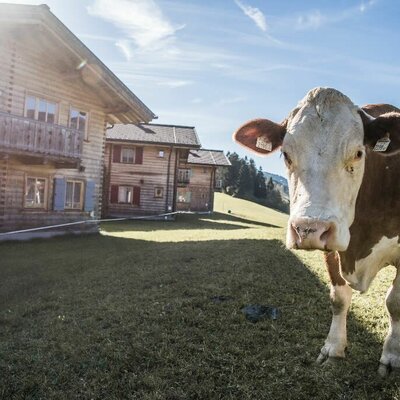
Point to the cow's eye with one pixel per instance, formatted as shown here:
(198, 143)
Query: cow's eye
(287, 158)
(359, 155)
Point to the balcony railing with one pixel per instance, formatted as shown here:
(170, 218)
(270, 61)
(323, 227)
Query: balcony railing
(27, 135)
(218, 184)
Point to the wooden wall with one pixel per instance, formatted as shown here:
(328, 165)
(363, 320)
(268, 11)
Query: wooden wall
(201, 187)
(152, 173)
(26, 69)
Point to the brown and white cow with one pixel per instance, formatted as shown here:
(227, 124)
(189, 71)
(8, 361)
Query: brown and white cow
(345, 198)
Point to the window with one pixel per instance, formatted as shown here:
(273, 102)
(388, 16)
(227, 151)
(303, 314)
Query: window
(73, 195)
(184, 175)
(161, 153)
(127, 155)
(184, 196)
(35, 192)
(158, 192)
(125, 194)
(78, 120)
(40, 109)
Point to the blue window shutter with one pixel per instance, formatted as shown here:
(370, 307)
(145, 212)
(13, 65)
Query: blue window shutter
(89, 196)
(59, 194)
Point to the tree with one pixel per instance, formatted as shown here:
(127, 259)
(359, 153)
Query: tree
(232, 174)
(244, 183)
(270, 185)
(260, 189)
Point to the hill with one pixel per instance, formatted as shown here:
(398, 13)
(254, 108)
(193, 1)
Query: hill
(280, 180)
(224, 203)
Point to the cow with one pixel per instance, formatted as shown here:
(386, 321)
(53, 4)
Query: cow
(343, 166)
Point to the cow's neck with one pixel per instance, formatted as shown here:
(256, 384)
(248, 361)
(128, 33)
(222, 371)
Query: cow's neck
(377, 211)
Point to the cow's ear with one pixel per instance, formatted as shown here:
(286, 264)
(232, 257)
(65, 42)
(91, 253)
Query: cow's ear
(261, 135)
(382, 134)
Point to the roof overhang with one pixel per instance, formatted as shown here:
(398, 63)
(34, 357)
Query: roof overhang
(144, 143)
(119, 103)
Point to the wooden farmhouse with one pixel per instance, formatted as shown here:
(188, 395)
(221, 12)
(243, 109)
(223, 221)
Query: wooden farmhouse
(56, 99)
(153, 169)
(198, 178)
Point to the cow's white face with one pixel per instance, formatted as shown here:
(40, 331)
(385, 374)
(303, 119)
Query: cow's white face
(323, 143)
(325, 157)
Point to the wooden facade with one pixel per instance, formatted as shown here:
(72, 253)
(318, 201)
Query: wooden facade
(204, 169)
(151, 179)
(56, 99)
(197, 193)
(166, 177)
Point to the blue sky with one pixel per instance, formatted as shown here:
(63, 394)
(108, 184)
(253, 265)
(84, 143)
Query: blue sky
(216, 64)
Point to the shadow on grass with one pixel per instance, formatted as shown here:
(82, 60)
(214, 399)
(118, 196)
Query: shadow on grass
(104, 317)
(216, 220)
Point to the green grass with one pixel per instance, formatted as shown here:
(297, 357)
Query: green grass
(128, 314)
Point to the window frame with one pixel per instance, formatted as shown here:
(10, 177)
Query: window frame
(184, 171)
(79, 110)
(45, 195)
(186, 192)
(39, 98)
(74, 181)
(131, 190)
(161, 195)
(133, 149)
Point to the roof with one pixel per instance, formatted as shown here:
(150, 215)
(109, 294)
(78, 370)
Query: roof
(208, 157)
(183, 136)
(125, 105)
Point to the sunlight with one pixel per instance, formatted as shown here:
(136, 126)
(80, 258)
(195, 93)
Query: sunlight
(198, 235)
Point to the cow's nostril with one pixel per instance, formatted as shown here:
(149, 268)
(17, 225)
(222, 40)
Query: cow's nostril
(325, 235)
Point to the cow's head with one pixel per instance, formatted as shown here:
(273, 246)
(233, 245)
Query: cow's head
(323, 142)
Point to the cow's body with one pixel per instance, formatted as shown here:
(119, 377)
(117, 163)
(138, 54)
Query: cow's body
(345, 199)
(374, 244)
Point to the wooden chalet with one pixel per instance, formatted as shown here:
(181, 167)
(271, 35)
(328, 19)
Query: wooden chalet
(56, 99)
(198, 178)
(153, 169)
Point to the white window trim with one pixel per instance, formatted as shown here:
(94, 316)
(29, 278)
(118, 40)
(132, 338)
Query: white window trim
(79, 109)
(39, 97)
(46, 192)
(134, 155)
(80, 208)
(125, 186)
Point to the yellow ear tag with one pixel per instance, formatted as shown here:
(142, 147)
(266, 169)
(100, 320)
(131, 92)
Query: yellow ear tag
(263, 143)
(382, 144)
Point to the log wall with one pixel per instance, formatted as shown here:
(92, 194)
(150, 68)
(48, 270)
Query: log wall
(25, 70)
(151, 174)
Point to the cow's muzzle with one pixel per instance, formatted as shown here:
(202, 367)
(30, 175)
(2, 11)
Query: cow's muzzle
(308, 233)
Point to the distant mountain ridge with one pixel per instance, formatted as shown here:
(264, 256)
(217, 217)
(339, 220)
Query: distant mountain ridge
(280, 180)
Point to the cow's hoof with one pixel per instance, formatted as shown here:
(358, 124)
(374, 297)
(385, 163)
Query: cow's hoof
(325, 360)
(385, 370)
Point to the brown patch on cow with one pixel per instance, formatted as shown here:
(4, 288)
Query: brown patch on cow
(375, 110)
(333, 265)
(377, 212)
(385, 122)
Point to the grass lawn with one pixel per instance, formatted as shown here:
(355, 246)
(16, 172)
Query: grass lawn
(132, 313)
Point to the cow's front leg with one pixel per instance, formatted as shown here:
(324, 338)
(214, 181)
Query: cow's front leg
(341, 292)
(390, 358)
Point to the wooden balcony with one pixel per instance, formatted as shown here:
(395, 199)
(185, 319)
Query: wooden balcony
(183, 181)
(24, 136)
